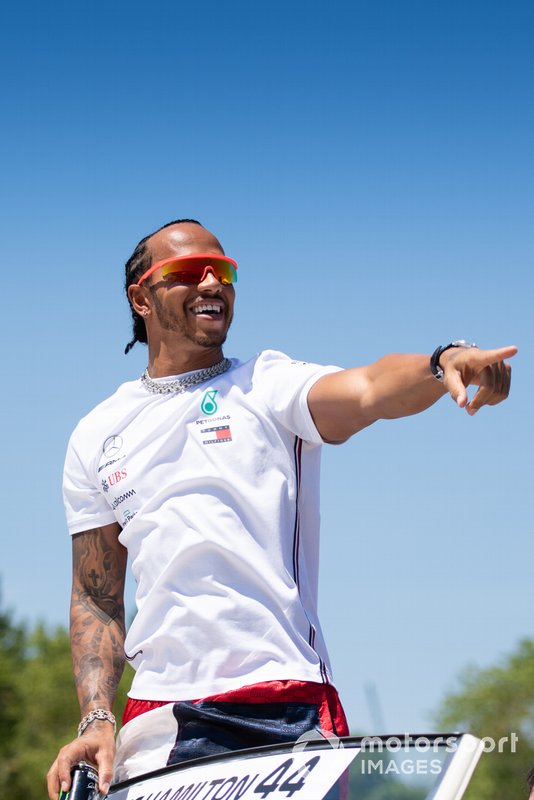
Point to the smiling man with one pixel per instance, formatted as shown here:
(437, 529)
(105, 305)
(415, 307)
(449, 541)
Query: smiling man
(192, 297)
(204, 473)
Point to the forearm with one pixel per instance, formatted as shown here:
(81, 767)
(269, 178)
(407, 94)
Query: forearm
(97, 642)
(97, 616)
(97, 645)
(396, 385)
(399, 385)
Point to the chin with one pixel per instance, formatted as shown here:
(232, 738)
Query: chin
(204, 340)
(214, 339)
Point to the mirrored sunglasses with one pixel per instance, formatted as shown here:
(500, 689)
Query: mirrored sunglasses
(192, 269)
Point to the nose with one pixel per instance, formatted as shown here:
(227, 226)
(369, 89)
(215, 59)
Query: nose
(209, 279)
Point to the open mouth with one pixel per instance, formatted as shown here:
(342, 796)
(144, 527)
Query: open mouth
(211, 309)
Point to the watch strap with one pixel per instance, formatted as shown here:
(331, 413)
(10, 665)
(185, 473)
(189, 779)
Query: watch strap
(435, 367)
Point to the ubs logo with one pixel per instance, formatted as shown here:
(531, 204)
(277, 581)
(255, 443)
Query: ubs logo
(112, 445)
(117, 476)
(113, 478)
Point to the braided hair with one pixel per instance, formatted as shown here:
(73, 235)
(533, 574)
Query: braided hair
(137, 264)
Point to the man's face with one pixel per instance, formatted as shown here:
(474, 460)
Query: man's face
(199, 314)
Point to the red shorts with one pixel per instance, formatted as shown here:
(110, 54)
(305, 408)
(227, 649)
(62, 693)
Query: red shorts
(331, 715)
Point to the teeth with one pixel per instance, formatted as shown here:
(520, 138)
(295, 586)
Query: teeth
(207, 307)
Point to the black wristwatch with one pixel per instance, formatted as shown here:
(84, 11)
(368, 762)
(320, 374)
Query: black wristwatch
(435, 368)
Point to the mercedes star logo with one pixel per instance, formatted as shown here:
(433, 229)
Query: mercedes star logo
(112, 445)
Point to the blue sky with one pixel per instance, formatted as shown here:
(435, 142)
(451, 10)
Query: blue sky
(370, 166)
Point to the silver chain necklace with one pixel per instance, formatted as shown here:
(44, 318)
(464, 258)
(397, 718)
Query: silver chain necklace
(181, 384)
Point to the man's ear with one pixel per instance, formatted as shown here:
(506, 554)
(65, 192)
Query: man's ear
(139, 300)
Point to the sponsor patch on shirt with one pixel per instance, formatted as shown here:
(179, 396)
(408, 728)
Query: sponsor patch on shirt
(216, 435)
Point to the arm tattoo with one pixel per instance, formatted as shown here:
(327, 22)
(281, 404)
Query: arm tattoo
(97, 615)
(99, 573)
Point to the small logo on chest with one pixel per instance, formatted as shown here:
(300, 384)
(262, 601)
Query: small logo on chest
(208, 405)
(216, 435)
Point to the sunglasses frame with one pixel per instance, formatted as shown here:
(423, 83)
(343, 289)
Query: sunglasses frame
(191, 256)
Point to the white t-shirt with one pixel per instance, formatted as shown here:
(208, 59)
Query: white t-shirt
(217, 493)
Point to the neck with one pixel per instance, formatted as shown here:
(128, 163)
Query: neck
(164, 363)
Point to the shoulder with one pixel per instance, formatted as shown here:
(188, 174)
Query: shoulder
(280, 379)
(254, 367)
(274, 364)
(264, 367)
(268, 360)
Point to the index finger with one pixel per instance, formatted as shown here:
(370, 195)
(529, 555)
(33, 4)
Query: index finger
(52, 781)
(64, 766)
(486, 357)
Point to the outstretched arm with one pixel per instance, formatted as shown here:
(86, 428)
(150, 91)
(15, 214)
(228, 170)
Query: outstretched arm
(398, 385)
(97, 643)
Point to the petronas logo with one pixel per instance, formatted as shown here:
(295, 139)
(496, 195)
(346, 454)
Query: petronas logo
(208, 405)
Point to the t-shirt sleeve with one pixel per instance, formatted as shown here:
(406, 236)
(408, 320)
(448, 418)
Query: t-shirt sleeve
(85, 505)
(284, 385)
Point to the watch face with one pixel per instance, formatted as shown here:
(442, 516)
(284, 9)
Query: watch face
(462, 343)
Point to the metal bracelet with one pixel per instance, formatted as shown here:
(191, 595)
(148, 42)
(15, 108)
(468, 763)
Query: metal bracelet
(97, 713)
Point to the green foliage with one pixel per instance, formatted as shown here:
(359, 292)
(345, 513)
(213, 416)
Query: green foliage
(39, 711)
(382, 787)
(497, 702)
(11, 660)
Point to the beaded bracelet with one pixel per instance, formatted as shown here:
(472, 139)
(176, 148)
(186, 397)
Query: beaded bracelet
(96, 713)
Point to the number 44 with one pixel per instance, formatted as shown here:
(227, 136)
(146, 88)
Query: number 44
(294, 783)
